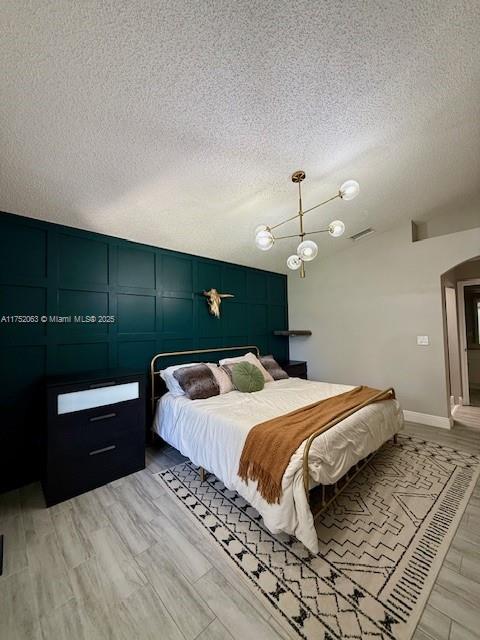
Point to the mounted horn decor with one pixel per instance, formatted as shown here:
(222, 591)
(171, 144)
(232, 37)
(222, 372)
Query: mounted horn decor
(215, 300)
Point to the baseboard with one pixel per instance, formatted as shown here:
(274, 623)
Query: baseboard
(426, 418)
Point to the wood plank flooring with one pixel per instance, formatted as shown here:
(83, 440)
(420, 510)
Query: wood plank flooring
(124, 562)
(468, 416)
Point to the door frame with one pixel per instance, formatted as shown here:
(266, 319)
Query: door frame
(461, 284)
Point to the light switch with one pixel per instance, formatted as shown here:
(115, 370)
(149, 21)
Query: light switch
(423, 341)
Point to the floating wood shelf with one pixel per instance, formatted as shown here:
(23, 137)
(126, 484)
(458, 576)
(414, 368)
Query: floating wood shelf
(292, 333)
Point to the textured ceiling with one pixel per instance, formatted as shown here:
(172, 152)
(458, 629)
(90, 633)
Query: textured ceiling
(178, 123)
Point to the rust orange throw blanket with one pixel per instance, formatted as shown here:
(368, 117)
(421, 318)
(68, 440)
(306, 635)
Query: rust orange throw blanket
(270, 445)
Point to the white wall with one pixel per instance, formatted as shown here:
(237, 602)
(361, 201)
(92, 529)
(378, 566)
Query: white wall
(467, 217)
(365, 307)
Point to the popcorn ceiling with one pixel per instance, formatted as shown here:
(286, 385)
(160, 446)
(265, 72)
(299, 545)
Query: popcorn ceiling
(178, 124)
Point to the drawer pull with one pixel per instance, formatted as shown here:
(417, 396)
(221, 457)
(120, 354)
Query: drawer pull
(104, 417)
(97, 451)
(99, 385)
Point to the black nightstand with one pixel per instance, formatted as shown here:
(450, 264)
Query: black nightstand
(95, 431)
(295, 368)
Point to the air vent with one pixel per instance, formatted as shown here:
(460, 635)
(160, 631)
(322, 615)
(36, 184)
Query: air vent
(362, 234)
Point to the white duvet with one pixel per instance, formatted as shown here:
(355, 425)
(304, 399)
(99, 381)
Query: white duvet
(212, 433)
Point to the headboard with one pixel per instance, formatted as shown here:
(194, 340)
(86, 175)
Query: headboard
(156, 382)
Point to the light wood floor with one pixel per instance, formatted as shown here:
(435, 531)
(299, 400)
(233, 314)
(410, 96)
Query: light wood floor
(125, 562)
(467, 416)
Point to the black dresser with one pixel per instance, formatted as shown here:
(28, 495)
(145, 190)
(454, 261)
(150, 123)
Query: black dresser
(295, 368)
(95, 431)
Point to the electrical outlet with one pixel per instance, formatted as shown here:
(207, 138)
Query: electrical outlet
(423, 341)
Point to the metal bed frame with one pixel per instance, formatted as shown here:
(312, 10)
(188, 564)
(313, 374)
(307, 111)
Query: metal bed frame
(323, 495)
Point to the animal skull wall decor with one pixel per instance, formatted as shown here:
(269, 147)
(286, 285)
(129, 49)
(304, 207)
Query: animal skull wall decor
(215, 300)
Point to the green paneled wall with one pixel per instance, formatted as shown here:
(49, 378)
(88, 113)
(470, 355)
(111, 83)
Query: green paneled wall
(154, 294)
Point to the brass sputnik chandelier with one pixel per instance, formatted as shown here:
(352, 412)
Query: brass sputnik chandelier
(307, 249)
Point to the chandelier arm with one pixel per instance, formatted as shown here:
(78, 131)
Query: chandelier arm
(279, 224)
(297, 235)
(322, 203)
(309, 233)
(294, 235)
(297, 215)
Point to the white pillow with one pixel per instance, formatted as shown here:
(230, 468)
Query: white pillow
(170, 380)
(223, 379)
(249, 357)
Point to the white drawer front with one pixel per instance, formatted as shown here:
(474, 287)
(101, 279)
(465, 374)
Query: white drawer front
(90, 398)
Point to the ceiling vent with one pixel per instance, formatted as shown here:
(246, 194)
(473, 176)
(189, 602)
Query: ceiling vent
(362, 234)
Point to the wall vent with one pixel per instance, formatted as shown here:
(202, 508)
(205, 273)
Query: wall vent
(362, 234)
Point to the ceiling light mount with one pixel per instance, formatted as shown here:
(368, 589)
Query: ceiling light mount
(307, 249)
(298, 176)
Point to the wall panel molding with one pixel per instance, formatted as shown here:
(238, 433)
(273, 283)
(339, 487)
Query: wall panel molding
(155, 295)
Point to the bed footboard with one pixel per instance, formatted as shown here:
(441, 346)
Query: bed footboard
(322, 496)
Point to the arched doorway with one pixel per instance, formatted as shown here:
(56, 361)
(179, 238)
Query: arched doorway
(461, 309)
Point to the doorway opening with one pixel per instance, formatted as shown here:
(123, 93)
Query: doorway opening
(461, 297)
(469, 294)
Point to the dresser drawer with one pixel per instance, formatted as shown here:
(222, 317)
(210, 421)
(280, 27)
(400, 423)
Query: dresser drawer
(85, 470)
(97, 395)
(91, 429)
(95, 431)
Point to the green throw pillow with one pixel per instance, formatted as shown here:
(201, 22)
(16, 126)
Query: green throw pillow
(247, 377)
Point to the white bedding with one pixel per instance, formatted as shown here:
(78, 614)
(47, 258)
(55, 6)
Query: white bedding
(212, 433)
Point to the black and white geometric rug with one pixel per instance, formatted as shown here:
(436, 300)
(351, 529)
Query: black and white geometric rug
(382, 542)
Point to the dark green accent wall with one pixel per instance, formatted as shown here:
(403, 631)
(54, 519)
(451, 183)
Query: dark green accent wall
(48, 269)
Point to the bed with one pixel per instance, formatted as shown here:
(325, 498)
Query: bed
(211, 433)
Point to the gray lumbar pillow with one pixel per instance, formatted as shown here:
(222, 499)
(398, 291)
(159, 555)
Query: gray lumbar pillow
(247, 378)
(273, 368)
(198, 382)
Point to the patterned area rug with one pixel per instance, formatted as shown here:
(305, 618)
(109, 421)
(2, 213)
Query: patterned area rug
(382, 542)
